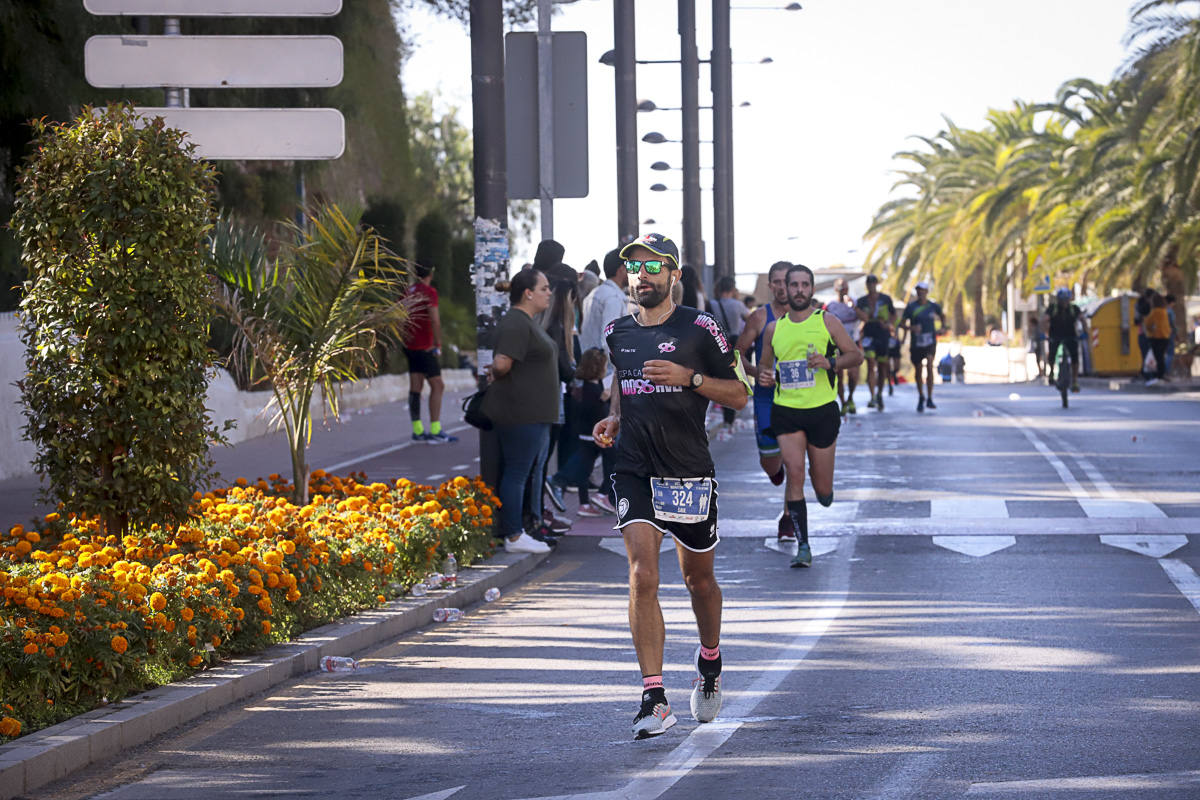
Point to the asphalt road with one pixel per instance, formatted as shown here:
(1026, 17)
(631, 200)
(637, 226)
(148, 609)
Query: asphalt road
(1004, 604)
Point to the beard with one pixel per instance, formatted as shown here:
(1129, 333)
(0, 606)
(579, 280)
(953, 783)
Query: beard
(653, 297)
(799, 303)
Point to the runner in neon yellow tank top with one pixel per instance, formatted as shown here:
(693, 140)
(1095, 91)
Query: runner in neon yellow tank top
(802, 352)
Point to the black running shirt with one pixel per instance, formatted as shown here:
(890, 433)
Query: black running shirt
(662, 432)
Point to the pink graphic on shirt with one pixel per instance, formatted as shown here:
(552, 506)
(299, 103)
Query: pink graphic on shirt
(666, 347)
(709, 324)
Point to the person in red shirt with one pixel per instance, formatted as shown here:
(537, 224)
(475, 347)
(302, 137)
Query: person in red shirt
(423, 347)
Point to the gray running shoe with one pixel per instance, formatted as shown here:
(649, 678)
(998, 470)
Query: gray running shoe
(653, 719)
(803, 556)
(706, 694)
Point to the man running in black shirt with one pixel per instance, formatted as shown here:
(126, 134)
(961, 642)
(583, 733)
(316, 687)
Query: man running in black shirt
(878, 316)
(669, 362)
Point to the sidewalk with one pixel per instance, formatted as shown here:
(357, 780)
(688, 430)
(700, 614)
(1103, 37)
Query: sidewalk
(1138, 386)
(376, 440)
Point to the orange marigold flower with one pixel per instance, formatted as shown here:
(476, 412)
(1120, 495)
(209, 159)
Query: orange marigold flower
(266, 627)
(120, 644)
(30, 649)
(9, 727)
(158, 601)
(187, 614)
(195, 661)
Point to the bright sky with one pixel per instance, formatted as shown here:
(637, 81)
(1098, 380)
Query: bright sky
(850, 82)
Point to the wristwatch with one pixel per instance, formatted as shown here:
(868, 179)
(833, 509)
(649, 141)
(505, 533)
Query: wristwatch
(697, 379)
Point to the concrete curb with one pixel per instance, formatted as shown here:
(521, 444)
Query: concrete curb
(55, 752)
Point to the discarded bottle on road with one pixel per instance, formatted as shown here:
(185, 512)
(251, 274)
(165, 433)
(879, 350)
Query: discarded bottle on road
(418, 590)
(450, 570)
(338, 664)
(492, 595)
(447, 614)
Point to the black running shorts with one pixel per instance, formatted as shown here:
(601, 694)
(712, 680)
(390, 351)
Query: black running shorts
(919, 354)
(634, 504)
(819, 425)
(424, 362)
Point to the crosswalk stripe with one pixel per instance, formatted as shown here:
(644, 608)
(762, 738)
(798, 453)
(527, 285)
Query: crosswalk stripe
(1121, 508)
(968, 507)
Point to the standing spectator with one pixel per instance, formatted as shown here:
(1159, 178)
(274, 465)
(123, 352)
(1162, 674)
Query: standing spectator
(608, 302)
(1158, 333)
(423, 347)
(560, 325)
(1174, 333)
(522, 404)
(731, 313)
(1037, 344)
(1141, 310)
(750, 302)
(592, 407)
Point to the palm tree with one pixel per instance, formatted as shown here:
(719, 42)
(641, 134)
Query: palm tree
(311, 316)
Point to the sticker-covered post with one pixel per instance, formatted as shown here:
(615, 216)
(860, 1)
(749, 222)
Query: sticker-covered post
(491, 201)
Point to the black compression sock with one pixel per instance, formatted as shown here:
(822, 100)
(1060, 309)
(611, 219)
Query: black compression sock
(414, 405)
(825, 499)
(798, 511)
(709, 668)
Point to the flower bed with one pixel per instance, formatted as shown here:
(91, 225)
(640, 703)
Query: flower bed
(88, 618)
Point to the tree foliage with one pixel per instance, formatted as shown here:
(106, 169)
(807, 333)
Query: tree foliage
(311, 316)
(112, 218)
(1099, 186)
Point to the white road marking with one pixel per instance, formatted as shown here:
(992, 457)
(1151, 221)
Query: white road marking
(977, 546)
(1184, 578)
(437, 476)
(616, 544)
(457, 467)
(442, 795)
(820, 545)
(377, 453)
(1121, 508)
(1153, 546)
(704, 740)
(1138, 782)
(1013, 526)
(968, 508)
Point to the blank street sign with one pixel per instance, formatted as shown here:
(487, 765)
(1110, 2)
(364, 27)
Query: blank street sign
(212, 62)
(271, 134)
(215, 8)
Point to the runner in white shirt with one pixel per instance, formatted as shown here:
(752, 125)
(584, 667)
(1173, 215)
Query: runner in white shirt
(843, 310)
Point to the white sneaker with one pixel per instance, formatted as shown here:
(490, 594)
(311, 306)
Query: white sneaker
(525, 544)
(706, 695)
(653, 719)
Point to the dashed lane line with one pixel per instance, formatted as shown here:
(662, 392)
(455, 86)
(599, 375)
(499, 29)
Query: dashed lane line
(385, 451)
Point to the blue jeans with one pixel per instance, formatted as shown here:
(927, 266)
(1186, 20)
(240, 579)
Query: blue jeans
(522, 450)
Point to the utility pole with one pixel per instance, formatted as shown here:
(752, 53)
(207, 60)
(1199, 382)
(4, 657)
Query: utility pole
(491, 200)
(722, 91)
(689, 70)
(626, 114)
(545, 65)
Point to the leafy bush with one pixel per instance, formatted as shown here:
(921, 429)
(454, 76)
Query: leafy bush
(88, 617)
(112, 214)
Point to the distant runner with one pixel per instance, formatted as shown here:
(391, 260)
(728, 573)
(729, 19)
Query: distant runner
(843, 309)
(878, 316)
(803, 351)
(752, 336)
(670, 361)
(921, 320)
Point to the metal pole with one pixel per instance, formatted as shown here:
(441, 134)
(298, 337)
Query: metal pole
(491, 201)
(689, 69)
(545, 62)
(722, 90)
(174, 96)
(626, 114)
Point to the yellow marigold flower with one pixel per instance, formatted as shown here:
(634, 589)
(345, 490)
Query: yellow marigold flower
(10, 727)
(286, 546)
(120, 644)
(158, 601)
(30, 649)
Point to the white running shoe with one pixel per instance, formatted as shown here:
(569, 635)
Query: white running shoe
(525, 544)
(706, 694)
(653, 718)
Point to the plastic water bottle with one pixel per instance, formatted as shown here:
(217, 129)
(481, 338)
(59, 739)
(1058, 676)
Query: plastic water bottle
(434, 580)
(418, 590)
(492, 595)
(338, 664)
(447, 614)
(450, 570)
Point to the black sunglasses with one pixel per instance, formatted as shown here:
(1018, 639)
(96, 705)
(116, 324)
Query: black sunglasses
(653, 267)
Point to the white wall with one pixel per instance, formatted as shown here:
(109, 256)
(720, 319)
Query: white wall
(225, 401)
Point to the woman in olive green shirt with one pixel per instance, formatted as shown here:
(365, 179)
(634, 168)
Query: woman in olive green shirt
(522, 403)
